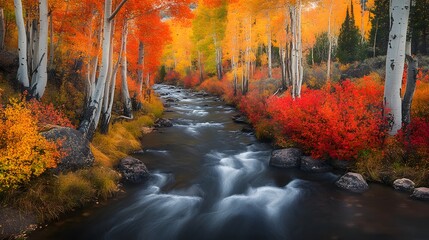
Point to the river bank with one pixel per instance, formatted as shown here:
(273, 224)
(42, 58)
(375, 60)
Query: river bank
(54, 196)
(211, 180)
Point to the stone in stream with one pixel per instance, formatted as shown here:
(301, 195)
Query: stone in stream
(201, 94)
(240, 119)
(421, 193)
(353, 182)
(342, 164)
(133, 170)
(286, 158)
(74, 145)
(404, 184)
(163, 123)
(308, 164)
(171, 99)
(247, 129)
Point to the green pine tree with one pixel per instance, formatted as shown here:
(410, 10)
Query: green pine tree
(419, 23)
(379, 34)
(320, 50)
(349, 47)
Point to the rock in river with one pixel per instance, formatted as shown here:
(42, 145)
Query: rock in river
(162, 123)
(286, 158)
(421, 193)
(76, 147)
(133, 170)
(240, 119)
(308, 164)
(404, 184)
(353, 182)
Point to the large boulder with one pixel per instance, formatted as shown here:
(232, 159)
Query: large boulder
(342, 164)
(286, 158)
(163, 123)
(404, 184)
(353, 182)
(421, 193)
(308, 164)
(78, 154)
(133, 170)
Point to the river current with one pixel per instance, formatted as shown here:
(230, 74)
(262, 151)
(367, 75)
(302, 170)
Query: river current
(210, 180)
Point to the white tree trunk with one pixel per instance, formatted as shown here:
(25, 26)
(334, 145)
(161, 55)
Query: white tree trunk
(33, 48)
(299, 44)
(51, 42)
(200, 66)
(269, 43)
(399, 10)
(22, 74)
(91, 118)
(2, 29)
(297, 69)
(125, 91)
(328, 71)
(140, 63)
(38, 84)
(294, 51)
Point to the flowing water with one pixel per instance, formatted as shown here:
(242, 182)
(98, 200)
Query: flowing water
(212, 181)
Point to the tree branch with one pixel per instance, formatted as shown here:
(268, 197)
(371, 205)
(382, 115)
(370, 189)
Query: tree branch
(117, 10)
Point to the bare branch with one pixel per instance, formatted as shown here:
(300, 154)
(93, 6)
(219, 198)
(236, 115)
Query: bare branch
(117, 10)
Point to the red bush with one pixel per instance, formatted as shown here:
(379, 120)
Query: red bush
(417, 140)
(47, 114)
(213, 86)
(338, 121)
(191, 80)
(172, 77)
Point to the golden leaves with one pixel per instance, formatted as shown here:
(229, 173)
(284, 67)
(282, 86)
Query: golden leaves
(24, 152)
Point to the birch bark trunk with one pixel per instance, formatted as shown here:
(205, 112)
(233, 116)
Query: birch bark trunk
(140, 63)
(399, 10)
(22, 74)
(127, 104)
(269, 43)
(294, 51)
(2, 29)
(38, 85)
(200, 66)
(328, 71)
(411, 85)
(90, 120)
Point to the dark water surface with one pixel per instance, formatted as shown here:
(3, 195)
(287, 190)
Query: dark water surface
(211, 181)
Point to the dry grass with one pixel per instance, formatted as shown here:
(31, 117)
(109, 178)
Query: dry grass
(123, 138)
(50, 196)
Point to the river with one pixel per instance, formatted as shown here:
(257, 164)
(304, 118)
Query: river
(212, 181)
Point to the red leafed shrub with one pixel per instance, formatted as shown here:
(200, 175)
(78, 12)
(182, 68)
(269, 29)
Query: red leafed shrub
(213, 86)
(47, 114)
(337, 121)
(172, 77)
(191, 80)
(417, 140)
(254, 106)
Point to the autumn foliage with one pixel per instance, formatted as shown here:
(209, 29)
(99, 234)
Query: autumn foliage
(47, 114)
(337, 121)
(24, 152)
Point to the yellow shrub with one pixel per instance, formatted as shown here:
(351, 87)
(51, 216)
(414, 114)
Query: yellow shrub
(24, 153)
(420, 106)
